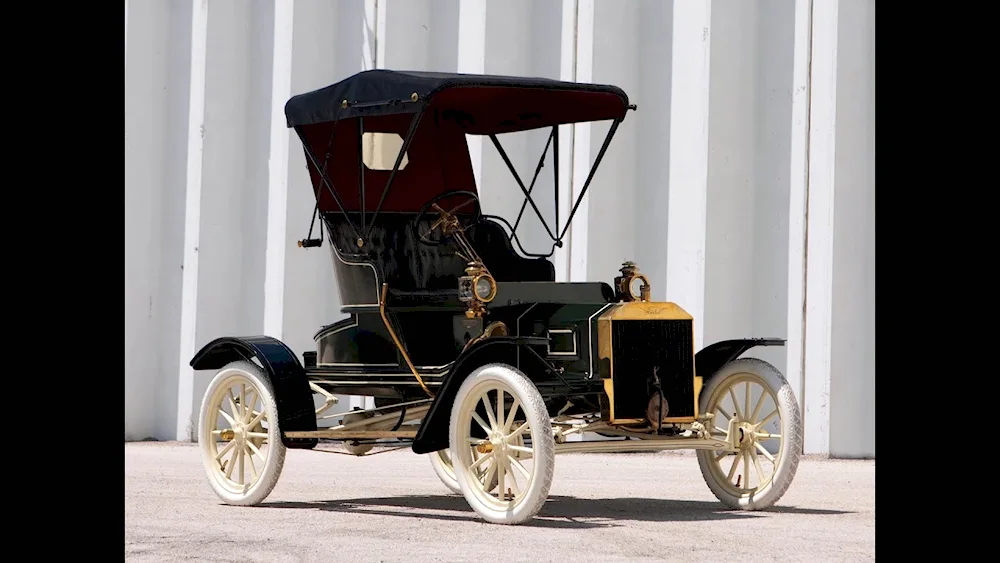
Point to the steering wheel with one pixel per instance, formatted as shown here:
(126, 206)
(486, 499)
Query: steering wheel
(447, 221)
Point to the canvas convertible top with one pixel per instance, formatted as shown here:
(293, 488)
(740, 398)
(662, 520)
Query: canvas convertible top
(481, 104)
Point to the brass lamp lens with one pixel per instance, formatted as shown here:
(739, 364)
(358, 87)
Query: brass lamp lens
(484, 288)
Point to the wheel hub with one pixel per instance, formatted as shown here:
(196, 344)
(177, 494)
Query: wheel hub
(747, 435)
(238, 433)
(498, 443)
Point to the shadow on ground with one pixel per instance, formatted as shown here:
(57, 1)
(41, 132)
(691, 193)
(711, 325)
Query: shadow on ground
(558, 511)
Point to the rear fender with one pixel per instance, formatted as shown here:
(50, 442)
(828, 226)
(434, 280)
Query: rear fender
(296, 411)
(712, 358)
(433, 433)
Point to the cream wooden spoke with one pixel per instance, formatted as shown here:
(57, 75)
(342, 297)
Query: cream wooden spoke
(243, 454)
(724, 413)
(488, 477)
(747, 404)
(504, 470)
(766, 436)
(519, 466)
(764, 451)
(256, 451)
(520, 430)
(732, 468)
(736, 402)
(501, 474)
(260, 417)
(722, 431)
(475, 465)
(250, 410)
(746, 470)
(510, 416)
(232, 405)
(760, 403)
(756, 464)
(489, 411)
(515, 488)
(767, 418)
(225, 450)
(243, 401)
(721, 455)
(257, 434)
(484, 461)
(500, 401)
(256, 417)
(476, 441)
(231, 464)
(521, 449)
(504, 476)
(229, 419)
(482, 423)
(253, 468)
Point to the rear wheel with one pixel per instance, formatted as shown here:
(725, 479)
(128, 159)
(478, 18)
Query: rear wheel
(441, 462)
(517, 453)
(769, 430)
(445, 470)
(239, 437)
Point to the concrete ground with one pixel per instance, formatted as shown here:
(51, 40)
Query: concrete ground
(391, 507)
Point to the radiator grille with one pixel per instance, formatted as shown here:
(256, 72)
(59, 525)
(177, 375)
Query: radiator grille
(638, 347)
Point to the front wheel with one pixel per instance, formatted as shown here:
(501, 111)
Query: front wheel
(501, 415)
(238, 435)
(769, 429)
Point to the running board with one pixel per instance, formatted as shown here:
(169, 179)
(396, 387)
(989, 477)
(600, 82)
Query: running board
(353, 434)
(649, 445)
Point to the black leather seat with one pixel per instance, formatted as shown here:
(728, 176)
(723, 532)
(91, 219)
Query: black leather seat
(409, 266)
(493, 244)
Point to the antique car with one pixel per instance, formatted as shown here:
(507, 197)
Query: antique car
(473, 353)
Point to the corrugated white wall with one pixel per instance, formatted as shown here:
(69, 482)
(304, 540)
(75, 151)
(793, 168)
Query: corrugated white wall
(751, 113)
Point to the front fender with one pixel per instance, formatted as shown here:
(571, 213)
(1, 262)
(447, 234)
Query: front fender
(433, 433)
(296, 411)
(710, 359)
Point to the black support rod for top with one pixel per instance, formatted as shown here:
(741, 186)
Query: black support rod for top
(555, 169)
(520, 183)
(361, 170)
(325, 179)
(399, 160)
(531, 187)
(593, 169)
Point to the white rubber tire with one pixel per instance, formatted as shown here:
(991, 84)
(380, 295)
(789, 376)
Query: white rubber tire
(791, 431)
(275, 455)
(543, 457)
(441, 462)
